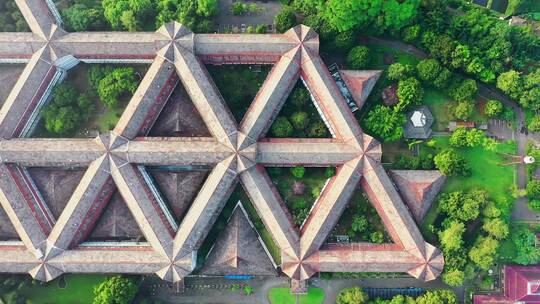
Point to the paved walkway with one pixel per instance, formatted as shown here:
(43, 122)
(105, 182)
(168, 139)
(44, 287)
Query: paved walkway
(521, 211)
(218, 290)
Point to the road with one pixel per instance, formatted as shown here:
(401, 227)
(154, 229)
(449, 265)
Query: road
(521, 211)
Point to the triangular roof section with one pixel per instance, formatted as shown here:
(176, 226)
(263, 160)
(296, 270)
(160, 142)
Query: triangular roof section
(239, 250)
(418, 189)
(360, 83)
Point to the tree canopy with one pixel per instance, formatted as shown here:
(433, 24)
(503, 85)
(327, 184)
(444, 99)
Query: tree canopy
(116, 290)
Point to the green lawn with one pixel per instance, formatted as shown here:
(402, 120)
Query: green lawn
(437, 102)
(283, 296)
(486, 173)
(78, 290)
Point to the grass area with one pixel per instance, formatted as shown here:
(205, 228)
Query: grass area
(283, 295)
(79, 290)
(378, 53)
(486, 173)
(238, 94)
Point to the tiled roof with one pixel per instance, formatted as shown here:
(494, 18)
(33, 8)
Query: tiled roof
(237, 153)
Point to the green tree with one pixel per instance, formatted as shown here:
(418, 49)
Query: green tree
(329, 172)
(463, 206)
(248, 290)
(113, 86)
(261, 29)
(493, 108)
(452, 237)
(453, 277)
(282, 127)
(450, 163)
(398, 71)
(510, 83)
(359, 225)
(352, 295)
(385, 123)
(298, 172)
(428, 69)
(207, 8)
(285, 19)
(116, 290)
(464, 91)
(458, 138)
(533, 189)
(358, 57)
(496, 228)
(483, 252)
(96, 72)
(300, 120)
(409, 92)
(438, 296)
(463, 110)
(411, 33)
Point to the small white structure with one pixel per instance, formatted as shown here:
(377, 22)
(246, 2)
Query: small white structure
(528, 160)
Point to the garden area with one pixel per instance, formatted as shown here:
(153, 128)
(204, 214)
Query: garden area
(90, 101)
(238, 94)
(360, 222)
(300, 187)
(282, 295)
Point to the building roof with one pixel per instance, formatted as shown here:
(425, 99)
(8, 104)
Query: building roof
(239, 250)
(418, 189)
(418, 123)
(50, 246)
(360, 83)
(521, 285)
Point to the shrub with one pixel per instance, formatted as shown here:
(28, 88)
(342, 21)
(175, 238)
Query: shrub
(493, 108)
(315, 192)
(285, 19)
(377, 237)
(300, 120)
(359, 57)
(250, 29)
(261, 29)
(298, 172)
(282, 127)
(238, 8)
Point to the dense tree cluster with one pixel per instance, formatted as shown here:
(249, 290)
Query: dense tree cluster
(462, 214)
(358, 57)
(385, 122)
(355, 295)
(285, 19)
(116, 84)
(11, 19)
(84, 15)
(67, 110)
(139, 15)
